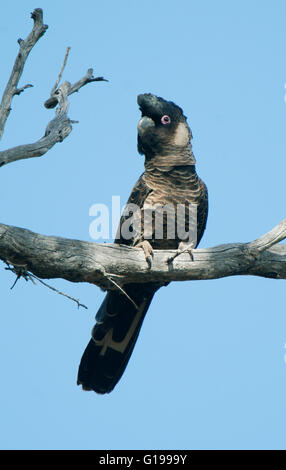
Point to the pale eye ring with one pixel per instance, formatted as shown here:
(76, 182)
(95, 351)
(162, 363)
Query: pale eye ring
(165, 119)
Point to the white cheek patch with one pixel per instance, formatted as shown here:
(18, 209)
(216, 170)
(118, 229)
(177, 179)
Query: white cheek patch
(182, 135)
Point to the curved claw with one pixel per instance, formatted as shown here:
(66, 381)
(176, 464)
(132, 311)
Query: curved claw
(184, 247)
(148, 251)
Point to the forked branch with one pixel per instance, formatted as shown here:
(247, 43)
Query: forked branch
(57, 129)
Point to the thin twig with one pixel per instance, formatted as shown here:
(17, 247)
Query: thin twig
(123, 291)
(61, 72)
(59, 292)
(21, 271)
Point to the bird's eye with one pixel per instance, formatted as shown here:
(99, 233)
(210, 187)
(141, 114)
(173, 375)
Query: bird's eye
(165, 119)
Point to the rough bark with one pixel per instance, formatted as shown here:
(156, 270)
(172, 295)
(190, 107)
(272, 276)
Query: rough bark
(25, 48)
(100, 264)
(57, 130)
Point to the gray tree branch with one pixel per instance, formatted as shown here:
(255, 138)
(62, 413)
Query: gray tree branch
(87, 78)
(57, 129)
(26, 46)
(100, 264)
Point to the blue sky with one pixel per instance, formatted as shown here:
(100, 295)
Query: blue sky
(208, 371)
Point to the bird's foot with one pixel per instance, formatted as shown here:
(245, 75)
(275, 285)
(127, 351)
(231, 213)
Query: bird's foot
(184, 247)
(148, 251)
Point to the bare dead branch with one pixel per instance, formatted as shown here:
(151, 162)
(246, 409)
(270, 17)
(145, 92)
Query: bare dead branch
(79, 261)
(57, 130)
(18, 91)
(276, 235)
(122, 291)
(58, 291)
(54, 89)
(21, 272)
(87, 78)
(26, 46)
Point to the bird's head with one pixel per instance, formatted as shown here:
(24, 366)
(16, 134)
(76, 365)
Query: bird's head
(162, 129)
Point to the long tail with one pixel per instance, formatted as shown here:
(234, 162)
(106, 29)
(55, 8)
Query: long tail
(119, 320)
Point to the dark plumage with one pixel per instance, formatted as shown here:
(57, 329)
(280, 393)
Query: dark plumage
(169, 178)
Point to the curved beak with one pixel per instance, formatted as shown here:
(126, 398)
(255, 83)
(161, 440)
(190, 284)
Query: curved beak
(144, 123)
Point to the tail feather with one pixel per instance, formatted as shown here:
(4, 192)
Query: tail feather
(119, 321)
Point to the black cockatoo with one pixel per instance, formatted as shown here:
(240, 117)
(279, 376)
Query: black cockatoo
(170, 177)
